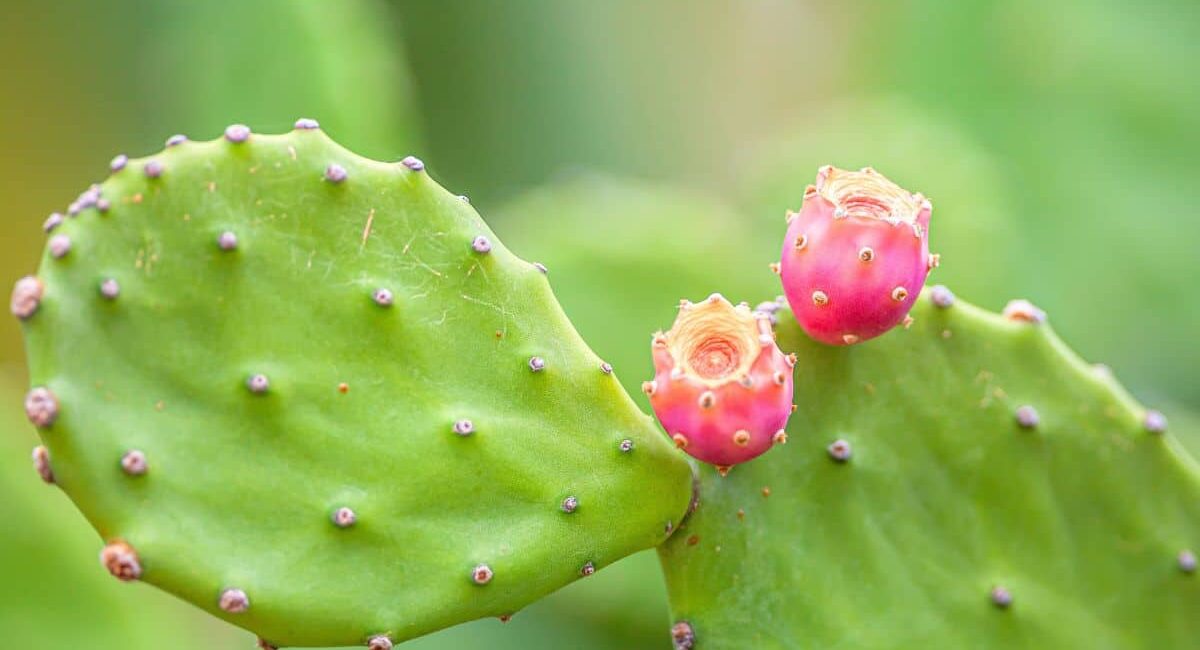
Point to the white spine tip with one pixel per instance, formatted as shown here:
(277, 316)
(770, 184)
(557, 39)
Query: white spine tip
(1155, 422)
(26, 297)
(1186, 561)
(463, 427)
(237, 133)
(482, 574)
(1027, 417)
(1000, 597)
(335, 173)
(258, 384)
(227, 241)
(234, 601)
(59, 246)
(941, 296)
(110, 289)
(133, 463)
(383, 297)
(840, 451)
(343, 517)
(41, 407)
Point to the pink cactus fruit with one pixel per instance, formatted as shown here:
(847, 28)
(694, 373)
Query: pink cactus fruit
(856, 256)
(722, 389)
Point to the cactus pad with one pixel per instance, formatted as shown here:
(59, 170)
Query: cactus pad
(966, 483)
(293, 387)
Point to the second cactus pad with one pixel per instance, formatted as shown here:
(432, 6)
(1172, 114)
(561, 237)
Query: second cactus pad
(313, 394)
(966, 483)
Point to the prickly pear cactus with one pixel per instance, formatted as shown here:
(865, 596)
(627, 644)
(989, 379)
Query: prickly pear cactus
(315, 396)
(969, 482)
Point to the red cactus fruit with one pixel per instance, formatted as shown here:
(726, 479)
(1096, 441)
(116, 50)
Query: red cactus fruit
(856, 256)
(722, 389)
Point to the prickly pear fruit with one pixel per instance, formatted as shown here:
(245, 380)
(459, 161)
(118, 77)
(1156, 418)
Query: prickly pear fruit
(722, 389)
(855, 256)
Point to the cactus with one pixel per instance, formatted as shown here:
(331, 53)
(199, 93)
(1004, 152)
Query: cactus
(721, 389)
(856, 255)
(287, 384)
(969, 482)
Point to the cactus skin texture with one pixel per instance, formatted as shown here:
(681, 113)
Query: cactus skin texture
(722, 389)
(265, 386)
(950, 525)
(856, 256)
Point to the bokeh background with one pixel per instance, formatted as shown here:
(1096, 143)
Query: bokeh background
(1059, 142)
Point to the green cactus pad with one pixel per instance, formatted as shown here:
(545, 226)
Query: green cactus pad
(284, 329)
(950, 525)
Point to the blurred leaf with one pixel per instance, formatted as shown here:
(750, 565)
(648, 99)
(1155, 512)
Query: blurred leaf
(209, 63)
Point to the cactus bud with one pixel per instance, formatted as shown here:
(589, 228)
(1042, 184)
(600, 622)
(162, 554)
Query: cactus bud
(722, 387)
(855, 256)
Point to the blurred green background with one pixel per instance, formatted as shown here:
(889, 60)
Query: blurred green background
(1058, 141)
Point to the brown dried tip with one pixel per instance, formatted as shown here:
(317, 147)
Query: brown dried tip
(379, 642)
(121, 561)
(1023, 311)
(41, 463)
(41, 407)
(263, 644)
(682, 636)
(741, 438)
(680, 440)
(723, 470)
(780, 437)
(26, 297)
(234, 601)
